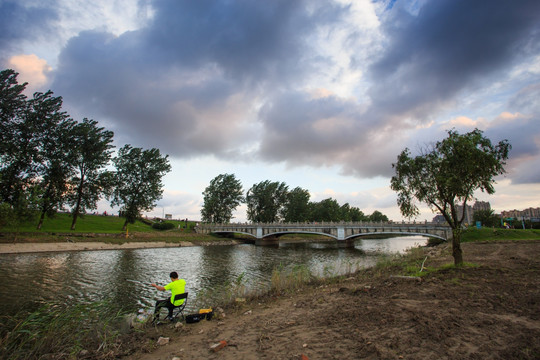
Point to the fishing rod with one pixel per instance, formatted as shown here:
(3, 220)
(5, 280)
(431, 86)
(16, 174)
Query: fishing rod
(139, 282)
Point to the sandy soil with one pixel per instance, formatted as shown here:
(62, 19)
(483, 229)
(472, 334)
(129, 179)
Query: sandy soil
(16, 248)
(36, 247)
(487, 312)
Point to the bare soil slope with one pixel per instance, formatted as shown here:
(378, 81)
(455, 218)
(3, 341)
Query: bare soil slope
(487, 312)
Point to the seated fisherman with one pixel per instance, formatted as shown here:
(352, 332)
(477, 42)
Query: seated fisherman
(176, 286)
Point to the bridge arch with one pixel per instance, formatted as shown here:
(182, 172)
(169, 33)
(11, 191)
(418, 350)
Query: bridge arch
(279, 233)
(354, 236)
(342, 232)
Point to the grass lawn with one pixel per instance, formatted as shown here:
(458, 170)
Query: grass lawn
(91, 226)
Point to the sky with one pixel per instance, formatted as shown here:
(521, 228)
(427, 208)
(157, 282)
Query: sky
(320, 94)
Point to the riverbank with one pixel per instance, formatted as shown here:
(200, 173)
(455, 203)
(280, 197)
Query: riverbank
(20, 248)
(486, 310)
(78, 242)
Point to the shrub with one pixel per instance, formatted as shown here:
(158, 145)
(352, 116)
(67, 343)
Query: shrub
(163, 226)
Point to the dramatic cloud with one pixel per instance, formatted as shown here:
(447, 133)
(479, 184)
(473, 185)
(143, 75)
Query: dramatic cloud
(191, 80)
(337, 84)
(19, 23)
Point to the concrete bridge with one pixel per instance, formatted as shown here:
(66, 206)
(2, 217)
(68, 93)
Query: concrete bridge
(344, 233)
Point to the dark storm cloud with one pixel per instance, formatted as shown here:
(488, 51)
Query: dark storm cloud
(449, 45)
(246, 38)
(18, 23)
(217, 77)
(187, 80)
(429, 56)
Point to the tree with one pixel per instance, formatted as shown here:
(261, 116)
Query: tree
(92, 147)
(12, 106)
(137, 180)
(357, 215)
(52, 134)
(265, 201)
(296, 207)
(447, 176)
(378, 216)
(487, 218)
(221, 198)
(352, 213)
(17, 143)
(325, 210)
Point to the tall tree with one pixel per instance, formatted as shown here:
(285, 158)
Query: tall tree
(221, 198)
(92, 147)
(447, 176)
(296, 208)
(265, 201)
(12, 106)
(356, 214)
(17, 143)
(138, 180)
(378, 216)
(53, 129)
(325, 210)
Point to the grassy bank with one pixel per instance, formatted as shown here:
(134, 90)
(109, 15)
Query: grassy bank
(100, 228)
(61, 223)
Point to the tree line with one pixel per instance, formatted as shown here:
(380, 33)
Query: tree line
(273, 201)
(49, 161)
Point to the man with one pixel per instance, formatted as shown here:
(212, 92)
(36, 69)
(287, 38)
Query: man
(176, 286)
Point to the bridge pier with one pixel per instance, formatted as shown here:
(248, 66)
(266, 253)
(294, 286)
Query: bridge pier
(345, 244)
(267, 241)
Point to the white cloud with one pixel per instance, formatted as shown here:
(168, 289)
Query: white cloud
(31, 69)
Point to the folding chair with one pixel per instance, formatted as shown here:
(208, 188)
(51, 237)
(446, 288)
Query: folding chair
(177, 310)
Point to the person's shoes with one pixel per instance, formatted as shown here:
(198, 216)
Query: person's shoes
(169, 318)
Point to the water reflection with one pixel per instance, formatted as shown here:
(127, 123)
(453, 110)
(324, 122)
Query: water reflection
(72, 277)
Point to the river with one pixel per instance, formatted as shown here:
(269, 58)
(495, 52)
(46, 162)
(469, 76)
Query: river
(122, 276)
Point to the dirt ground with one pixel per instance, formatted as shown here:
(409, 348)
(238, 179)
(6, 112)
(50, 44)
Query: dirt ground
(491, 311)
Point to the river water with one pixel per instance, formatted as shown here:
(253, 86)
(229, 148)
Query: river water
(122, 276)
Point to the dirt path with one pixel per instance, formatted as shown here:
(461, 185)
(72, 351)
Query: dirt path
(487, 312)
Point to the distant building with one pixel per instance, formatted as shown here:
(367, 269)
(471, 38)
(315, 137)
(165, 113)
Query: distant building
(469, 212)
(481, 205)
(527, 214)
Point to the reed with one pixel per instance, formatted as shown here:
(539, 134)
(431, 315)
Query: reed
(290, 278)
(56, 331)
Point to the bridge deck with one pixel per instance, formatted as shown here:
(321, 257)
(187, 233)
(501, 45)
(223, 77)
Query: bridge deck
(339, 231)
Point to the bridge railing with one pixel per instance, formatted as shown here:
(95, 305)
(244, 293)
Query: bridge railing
(325, 223)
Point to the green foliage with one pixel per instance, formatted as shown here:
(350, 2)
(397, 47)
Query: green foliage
(377, 216)
(448, 175)
(92, 147)
(138, 180)
(163, 226)
(47, 159)
(286, 279)
(296, 208)
(487, 218)
(352, 213)
(54, 161)
(325, 210)
(221, 198)
(265, 201)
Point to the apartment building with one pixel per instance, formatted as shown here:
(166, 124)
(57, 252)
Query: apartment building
(469, 211)
(527, 214)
